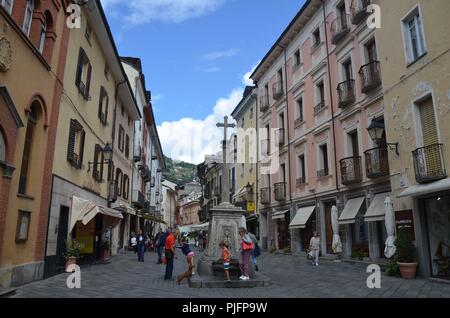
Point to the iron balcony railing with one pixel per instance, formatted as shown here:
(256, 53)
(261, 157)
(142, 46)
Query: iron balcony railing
(264, 103)
(138, 199)
(280, 191)
(429, 163)
(346, 93)
(339, 29)
(377, 162)
(278, 90)
(318, 108)
(351, 170)
(370, 76)
(358, 10)
(265, 196)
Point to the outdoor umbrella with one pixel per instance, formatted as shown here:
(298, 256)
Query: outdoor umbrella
(389, 250)
(337, 245)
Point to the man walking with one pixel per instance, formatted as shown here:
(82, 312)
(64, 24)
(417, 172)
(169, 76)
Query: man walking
(141, 246)
(169, 253)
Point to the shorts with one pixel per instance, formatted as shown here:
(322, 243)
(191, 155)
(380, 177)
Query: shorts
(226, 266)
(191, 254)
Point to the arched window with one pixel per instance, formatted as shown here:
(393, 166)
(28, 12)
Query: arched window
(2, 147)
(42, 37)
(31, 126)
(28, 17)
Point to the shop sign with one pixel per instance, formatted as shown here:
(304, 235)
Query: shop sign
(405, 220)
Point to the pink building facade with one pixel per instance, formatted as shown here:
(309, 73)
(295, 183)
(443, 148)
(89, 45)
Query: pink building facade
(320, 88)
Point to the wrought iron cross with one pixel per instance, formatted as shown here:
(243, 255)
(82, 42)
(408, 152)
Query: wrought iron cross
(225, 180)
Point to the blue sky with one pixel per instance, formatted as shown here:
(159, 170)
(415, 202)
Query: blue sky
(195, 54)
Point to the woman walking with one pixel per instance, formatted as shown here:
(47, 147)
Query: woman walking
(245, 253)
(314, 247)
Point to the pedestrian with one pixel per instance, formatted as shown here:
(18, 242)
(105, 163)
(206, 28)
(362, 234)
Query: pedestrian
(256, 250)
(140, 246)
(169, 253)
(225, 258)
(133, 242)
(245, 253)
(160, 244)
(189, 259)
(314, 248)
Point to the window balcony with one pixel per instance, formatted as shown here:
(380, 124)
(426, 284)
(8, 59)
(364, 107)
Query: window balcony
(339, 29)
(138, 199)
(346, 93)
(265, 196)
(319, 107)
(278, 90)
(377, 162)
(370, 76)
(351, 170)
(358, 10)
(429, 163)
(280, 191)
(264, 103)
(300, 181)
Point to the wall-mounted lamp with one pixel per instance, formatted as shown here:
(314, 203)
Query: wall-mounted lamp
(377, 131)
(107, 156)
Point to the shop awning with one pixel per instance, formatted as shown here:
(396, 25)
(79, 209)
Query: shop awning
(85, 211)
(301, 217)
(422, 189)
(279, 215)
(351, 209)
(376, 208)
(152, 218)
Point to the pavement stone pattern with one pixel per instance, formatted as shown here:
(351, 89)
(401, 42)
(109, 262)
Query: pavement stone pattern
(291, 277)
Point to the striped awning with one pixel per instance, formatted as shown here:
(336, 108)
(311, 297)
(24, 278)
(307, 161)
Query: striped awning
(351, 209)
(301, 217)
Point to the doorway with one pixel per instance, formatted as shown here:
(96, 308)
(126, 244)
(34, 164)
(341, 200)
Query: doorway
(56, 264)
(329, 227)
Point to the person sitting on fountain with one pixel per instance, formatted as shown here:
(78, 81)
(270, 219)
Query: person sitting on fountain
(225, 257)
(189, 258)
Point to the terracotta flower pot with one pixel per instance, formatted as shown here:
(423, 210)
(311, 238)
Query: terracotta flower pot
(408, 270)
(106, 255)
(70, 264)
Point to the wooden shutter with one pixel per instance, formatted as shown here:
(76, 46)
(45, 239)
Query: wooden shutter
(100, 103)
(71, 142)
(81, 150)
(95, 172)
(127, 147)
(428, 122)
(81, 56)
(88, 82)
(106, 108)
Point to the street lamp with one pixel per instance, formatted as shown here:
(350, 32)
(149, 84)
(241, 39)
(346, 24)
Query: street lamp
(107, 156)
(376, 131)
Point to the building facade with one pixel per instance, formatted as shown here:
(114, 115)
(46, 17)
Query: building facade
(34, 44)
(319, 89)
(96, 120)
(415, 55)
(169, 203)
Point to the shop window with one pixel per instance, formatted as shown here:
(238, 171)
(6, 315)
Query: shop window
(26, 155)
(75, 147)
(23, 226)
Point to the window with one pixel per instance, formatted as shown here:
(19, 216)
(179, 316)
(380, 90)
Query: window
(242, 122)
(429, 129)
(98, 163)
(266, 91)
(31, 126)
(83, 78)
(88, 33)
(121, 139)
(320, 95)
(28, 17)
(301, 172)
(23, 226)
(75, 147)
(342, 15)
(127, 147)
(316, 38)
(103, 106)
(323, 161)
(42, 37)
(297, 58)
(7, 4)
(414, 36)
(354, 144)
(300, 109)
(347, 70)
(282, 175)
(371, 51)
(119, 177)
(126, 186)
(280, 78)
(251, 113)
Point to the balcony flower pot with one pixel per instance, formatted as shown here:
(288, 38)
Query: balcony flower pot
(72, 253)
(406, 255)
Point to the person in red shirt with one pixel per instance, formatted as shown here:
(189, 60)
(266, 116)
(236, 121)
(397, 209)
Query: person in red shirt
(225, 257)
(169, 254)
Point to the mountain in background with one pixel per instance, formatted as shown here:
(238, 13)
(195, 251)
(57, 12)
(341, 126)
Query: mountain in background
(180, 172)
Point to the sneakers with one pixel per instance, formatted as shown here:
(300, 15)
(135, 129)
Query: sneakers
(193, 273)
(245, 278)
(241, 277)
(317, 264)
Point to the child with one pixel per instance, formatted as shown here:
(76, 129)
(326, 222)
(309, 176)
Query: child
(225, 257)
(189, 258)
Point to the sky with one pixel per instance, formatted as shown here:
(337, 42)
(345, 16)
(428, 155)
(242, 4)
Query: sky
(197, 57)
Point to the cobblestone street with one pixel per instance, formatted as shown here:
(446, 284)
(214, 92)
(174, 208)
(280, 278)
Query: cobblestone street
(291, 276)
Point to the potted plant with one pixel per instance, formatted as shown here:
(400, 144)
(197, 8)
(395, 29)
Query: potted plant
(73, 248)
(406, 255)
(106, 250)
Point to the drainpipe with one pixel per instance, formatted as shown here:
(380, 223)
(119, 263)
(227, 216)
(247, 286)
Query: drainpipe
(331, 97)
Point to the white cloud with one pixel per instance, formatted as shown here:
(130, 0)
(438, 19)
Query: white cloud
(172, 11)
(157, 97)
(213, 69)
(212, 56)
(191, 139)
(246, 78)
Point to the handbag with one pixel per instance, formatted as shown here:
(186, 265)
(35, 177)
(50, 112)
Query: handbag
(309, 256)
(247, 246)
